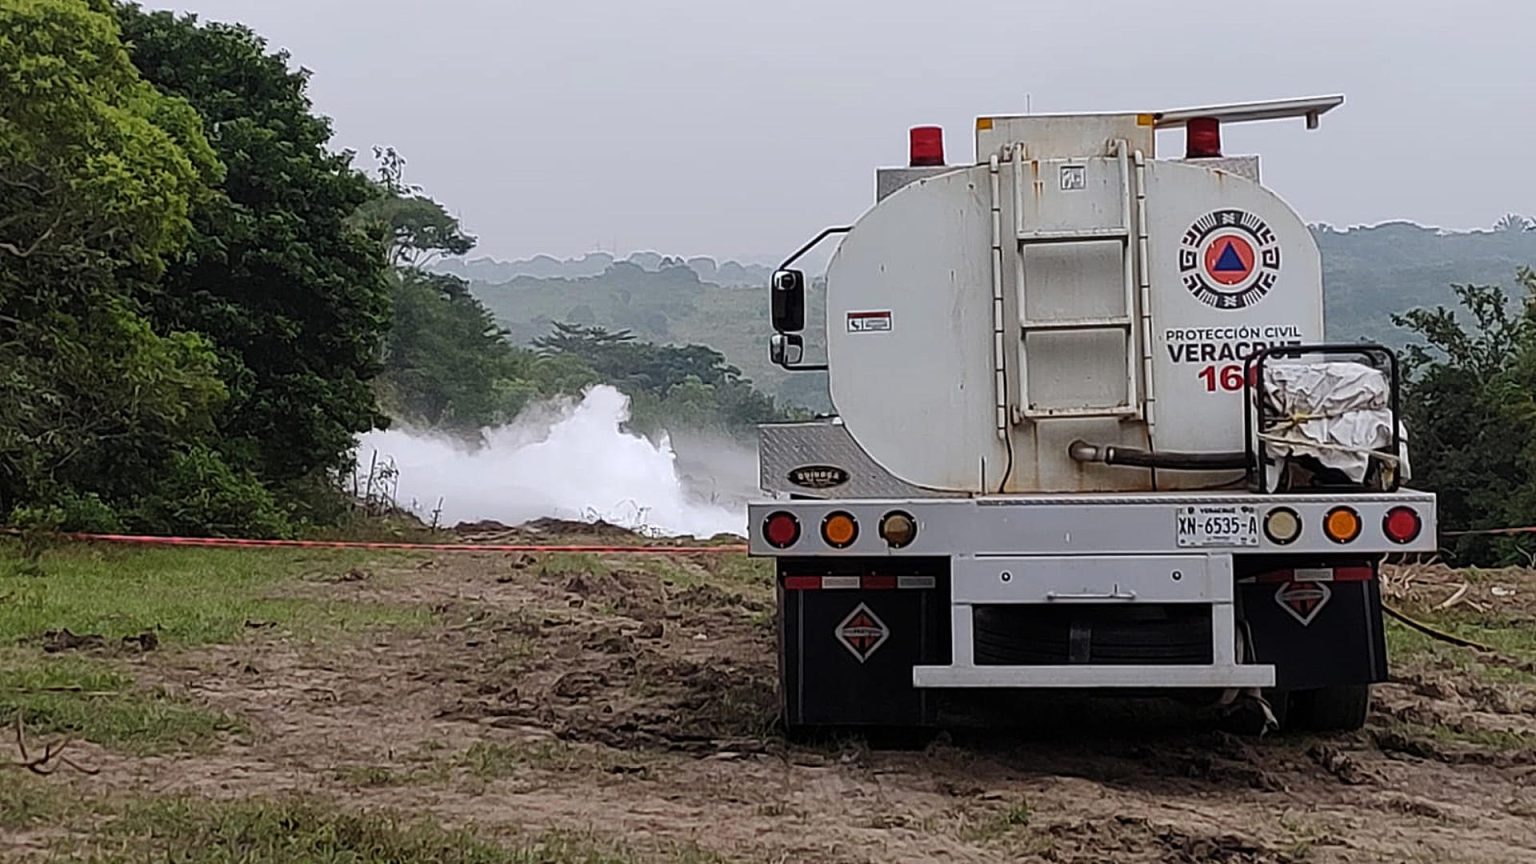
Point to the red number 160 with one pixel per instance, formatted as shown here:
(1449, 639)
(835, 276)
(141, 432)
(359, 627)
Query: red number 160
(1229, 378)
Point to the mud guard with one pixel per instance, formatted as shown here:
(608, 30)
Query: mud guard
(1316, 634)
(850, 632)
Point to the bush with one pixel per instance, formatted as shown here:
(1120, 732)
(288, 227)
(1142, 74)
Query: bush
(68, 511)
(1468, 403)
(200, 494)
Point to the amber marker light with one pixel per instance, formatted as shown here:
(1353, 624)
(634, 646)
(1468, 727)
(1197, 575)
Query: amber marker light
(839, 530)
(1342, 524)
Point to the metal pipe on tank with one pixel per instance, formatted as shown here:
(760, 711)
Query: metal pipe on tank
(1082, 451)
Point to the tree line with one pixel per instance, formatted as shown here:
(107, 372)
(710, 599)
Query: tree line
(202, 304)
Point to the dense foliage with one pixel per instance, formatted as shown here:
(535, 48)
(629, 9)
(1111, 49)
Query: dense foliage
(664, 301)
(191, 322)
(99, 176)
(446, 363)
(688, 386)
(1470, 403)
(204, 304)
(292, 295)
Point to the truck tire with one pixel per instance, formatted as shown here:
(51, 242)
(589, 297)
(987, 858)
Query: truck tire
(1340, 708)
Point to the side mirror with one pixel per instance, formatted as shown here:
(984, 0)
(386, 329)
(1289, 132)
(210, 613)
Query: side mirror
(788, 289)
(785, 349)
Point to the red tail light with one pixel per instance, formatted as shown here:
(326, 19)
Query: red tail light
(1402, 525)
(781, 530)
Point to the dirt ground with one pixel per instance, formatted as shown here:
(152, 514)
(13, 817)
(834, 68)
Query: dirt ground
(634, 699)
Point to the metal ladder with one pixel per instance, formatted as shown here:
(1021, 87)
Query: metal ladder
(1127, 323)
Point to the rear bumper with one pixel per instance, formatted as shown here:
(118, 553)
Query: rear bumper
(1087, 524)
(1095, 677)
(1080, 588)
(880, 640)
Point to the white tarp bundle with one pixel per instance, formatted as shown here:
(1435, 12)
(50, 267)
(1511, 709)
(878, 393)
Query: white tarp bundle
(1337, 413)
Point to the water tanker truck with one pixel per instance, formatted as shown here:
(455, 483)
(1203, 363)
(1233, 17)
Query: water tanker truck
(1087, 435)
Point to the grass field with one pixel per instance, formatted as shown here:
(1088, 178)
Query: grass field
(332, 706)
(110, 597)
(181, 598)
(190, 830)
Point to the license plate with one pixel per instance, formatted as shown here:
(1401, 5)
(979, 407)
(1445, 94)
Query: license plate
(1203, 525)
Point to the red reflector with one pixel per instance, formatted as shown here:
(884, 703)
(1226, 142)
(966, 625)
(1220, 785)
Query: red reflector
(781, 529)
(880, 582)
(926, 146)
(1402, 525)
(1352, 574)
(1202, 138)
(802, 583)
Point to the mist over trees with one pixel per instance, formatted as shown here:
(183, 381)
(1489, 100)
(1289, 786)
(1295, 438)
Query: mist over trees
(725, 273)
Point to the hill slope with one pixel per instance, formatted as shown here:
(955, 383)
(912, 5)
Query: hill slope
(1368, 274)
(667, 305)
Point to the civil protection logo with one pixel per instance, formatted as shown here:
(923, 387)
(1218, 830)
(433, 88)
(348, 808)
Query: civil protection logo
(1229, 259)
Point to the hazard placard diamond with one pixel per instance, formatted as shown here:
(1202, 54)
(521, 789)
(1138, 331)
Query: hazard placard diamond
(862, 632)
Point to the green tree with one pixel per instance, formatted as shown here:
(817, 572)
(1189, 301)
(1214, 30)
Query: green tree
(96, 164)
(1468, 401)
(291, 293)
(688, 385)
(99, 174)
(445, 356)
(446, 363)
(417, 228)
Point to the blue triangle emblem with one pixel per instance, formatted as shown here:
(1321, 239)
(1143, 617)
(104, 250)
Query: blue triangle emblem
(1229, 261)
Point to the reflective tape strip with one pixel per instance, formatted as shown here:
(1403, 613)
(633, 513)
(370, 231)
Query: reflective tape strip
(865, 583)
(1315, 574)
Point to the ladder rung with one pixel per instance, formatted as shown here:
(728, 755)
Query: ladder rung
(1090, 411)
(1115, 323)
(1078, 235)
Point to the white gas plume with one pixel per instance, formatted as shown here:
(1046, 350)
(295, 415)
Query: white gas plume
(569, 459)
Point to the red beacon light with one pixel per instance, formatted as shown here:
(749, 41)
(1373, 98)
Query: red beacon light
(926, 146)
(1202, 138)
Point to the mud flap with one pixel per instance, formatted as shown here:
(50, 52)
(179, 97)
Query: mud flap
(1316, 634)
(846, 653)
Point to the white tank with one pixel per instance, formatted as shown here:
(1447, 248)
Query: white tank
(1069, 286)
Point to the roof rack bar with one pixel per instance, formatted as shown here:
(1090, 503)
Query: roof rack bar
(1310, 108)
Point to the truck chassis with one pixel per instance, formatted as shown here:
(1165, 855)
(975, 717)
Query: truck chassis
(1079, 591)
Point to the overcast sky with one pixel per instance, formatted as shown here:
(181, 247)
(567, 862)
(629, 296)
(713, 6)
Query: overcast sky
(741, 128)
